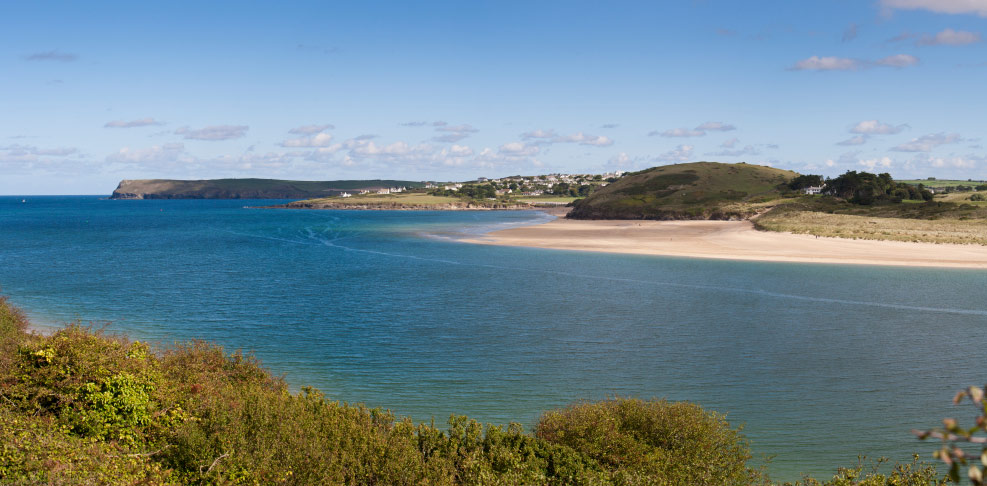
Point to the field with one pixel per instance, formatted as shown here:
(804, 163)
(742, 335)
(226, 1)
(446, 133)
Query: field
(943, 183)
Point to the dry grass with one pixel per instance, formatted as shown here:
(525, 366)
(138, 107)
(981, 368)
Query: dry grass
(945, 230)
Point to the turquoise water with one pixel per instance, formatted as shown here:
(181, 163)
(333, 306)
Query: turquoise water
(821, 362)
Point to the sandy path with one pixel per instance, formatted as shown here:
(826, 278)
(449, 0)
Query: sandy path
(734, 240)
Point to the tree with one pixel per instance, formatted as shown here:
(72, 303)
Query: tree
(803, 181)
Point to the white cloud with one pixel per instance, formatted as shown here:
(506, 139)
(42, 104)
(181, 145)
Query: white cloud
(213, 133)
(465, 128)
(926, 143)
(450, 137)
(311, 129)
(978, 7)
(816, 63)
(873, 165)
(679, 132)
(156, 154)
(518, 149)
(143, 122)
(950, 37)
(545, 137)
(682, 153)
(454, 133)
(858, 140)
(747, 150)
(317, 140)
(898, 61)
(539, 134)
(874, 127)
(460, 151)
(730, 143)
(712, 126)
(584, 139)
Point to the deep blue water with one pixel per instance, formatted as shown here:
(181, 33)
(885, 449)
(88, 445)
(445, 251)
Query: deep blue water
(821, 362)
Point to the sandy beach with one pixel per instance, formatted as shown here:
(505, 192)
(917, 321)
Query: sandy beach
(732, 240)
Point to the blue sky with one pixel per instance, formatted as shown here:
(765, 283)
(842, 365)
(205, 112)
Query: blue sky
(92, 93)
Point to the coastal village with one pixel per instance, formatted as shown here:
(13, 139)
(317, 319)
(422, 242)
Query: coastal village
(565, 185)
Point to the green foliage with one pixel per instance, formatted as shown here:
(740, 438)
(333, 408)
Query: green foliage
(804, 181)
(670, 443)
(866, 188)
(955, 436)
(978, 197)
(912, 474)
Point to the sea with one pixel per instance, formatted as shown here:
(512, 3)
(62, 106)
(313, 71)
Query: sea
(818, 363)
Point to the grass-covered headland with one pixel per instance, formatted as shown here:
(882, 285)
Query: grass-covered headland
(83, 407)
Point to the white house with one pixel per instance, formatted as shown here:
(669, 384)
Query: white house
(814, 189)
(345, 194)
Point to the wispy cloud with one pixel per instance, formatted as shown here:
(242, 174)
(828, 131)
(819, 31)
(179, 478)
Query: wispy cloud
(544, 137)
(747, 150)
(143, 122)
(700, 131)
(850, 33)
(311, 129)
(898, 61)
(950, 37)
(317, 140)
(926, 143)
(682, 153)
(875, 127)
(978, 7)
(678, 132)
(816, 63)
(852, 141)
(452, 133)
(53, 55)
(213, 133)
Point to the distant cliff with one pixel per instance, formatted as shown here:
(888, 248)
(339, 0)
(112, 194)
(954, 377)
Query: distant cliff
(245, 188)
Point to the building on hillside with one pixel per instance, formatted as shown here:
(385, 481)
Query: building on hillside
(345, 194)
(814, 190)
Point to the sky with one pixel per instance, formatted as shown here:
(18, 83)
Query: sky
(95, 92)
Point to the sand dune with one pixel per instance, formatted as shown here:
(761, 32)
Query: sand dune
(733, 240)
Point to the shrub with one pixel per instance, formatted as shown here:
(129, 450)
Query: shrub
(675, 443)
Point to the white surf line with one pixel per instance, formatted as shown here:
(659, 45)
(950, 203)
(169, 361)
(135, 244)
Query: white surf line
(332, 244)
(767, 293)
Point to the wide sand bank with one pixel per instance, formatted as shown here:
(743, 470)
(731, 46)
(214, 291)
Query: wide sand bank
(733, 240)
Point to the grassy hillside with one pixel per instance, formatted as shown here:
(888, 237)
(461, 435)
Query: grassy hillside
(699, 190)
(245, 188)
(937, 221)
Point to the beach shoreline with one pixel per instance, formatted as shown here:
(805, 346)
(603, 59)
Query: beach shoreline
(729, 240)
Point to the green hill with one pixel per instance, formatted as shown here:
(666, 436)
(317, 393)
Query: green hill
(698, 190)
(245, 188)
